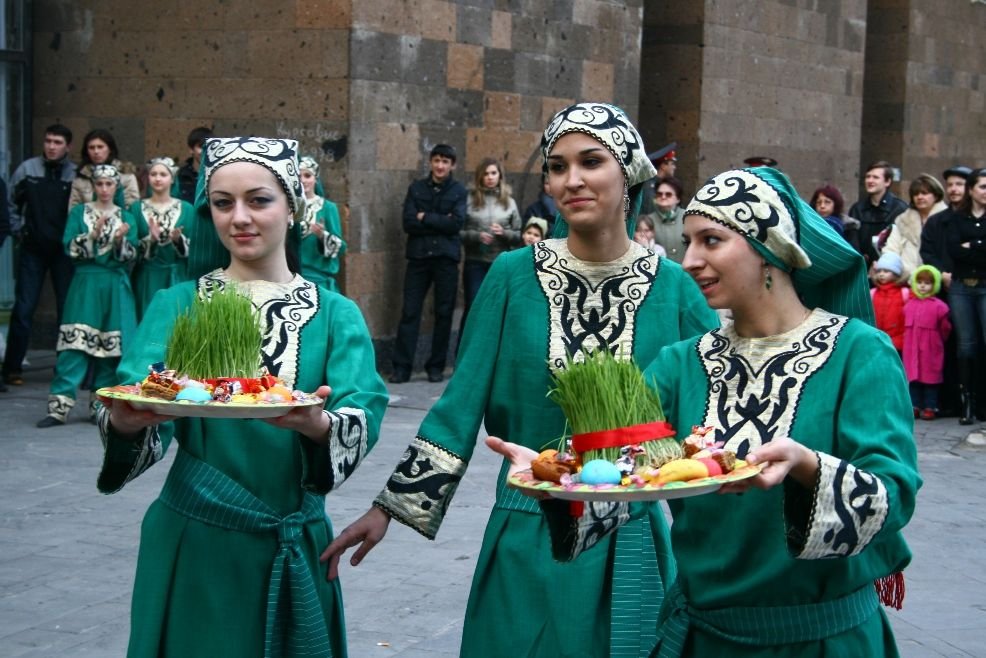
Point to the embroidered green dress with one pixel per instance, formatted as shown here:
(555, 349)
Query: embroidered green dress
(838, 387)
(203, 588)
(537, 305)
(787, 571)
(161, 263)
(98, 318)
(321, 255)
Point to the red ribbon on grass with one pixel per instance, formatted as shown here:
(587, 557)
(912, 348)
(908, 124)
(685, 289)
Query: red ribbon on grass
(622, 436)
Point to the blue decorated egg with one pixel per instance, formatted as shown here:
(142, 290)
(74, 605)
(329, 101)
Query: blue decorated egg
(191, 394)
(600, 471)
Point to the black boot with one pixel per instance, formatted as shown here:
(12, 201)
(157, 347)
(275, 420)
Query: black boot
(967, 395)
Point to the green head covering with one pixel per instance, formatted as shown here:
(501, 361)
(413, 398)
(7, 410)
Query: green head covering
(610, 126)
(935, 278)
(279, 156)
(762, 205)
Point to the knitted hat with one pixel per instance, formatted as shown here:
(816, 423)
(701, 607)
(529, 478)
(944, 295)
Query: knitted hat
(762, 205)
(610, 126)
(935, 278)
(891, 262)
(542, 224)
(279, 156)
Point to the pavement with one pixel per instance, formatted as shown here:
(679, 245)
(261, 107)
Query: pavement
(68, 553)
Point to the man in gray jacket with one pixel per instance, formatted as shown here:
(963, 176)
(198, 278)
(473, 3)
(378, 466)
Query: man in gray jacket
(39, 192)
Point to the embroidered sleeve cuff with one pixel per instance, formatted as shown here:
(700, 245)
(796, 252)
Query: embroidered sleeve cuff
(331, 244)
(847, 508)
(81, 247)
(329, 465)
(125, 251)
(182, 246)
(575, 528)
(420, 490)
(124, 459)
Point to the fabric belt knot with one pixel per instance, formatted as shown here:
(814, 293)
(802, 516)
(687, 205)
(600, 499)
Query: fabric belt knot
(762, 626)
(295, 625)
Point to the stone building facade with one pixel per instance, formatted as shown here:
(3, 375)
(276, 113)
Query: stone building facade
(369, 86)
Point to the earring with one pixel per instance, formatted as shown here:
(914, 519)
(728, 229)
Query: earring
(626, 198)
(769, 280)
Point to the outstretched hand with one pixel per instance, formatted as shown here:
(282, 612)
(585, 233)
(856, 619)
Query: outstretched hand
(520, 457)
(367, 531)
(309, 420)
(128, 421)
(781, 458)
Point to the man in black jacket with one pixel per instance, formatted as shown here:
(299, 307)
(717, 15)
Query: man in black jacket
(39, 193)
(434, 212)
(877, 210)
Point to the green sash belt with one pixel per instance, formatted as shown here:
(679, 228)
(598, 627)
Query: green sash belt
(295, 621)
(763, 626)
(638, 589)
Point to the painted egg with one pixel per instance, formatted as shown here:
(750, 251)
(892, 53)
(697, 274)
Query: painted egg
(600, 471)
(192, 394)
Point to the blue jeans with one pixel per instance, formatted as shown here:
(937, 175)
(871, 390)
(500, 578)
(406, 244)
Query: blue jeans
(421, 273)
(924, 396)
(31, 268)
(968, 307)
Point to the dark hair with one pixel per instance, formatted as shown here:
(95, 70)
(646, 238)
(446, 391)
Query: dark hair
(671, 182)
(888, 169)
(646, 219)
(60, 130)
(444, 150)
(101, 134)
(832, 192)
(925, 183)
(970, 182)
(198, 135)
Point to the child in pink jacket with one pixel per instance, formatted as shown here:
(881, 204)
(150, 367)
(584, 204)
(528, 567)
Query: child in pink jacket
(926, 327)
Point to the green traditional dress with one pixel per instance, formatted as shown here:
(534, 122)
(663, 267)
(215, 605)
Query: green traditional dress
(206, 251)
(99, 317)
(228, 562)
(536, 306)
(788, 571)
(161, 263)
(321, 256)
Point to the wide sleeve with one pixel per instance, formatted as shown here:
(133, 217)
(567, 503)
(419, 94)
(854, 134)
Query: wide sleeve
(866, 488)
(183, 224)
(422, 485)
(356, 405)
(76, 239)
(332, 244)
(125, 459)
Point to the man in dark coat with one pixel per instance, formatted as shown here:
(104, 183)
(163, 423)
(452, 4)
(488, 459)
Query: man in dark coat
(434, 213)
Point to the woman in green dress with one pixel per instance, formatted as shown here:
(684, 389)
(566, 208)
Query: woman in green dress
(322, 246)
(539, 305)
(98, 318)
(163, 246)
(228, 562)
(801, 382)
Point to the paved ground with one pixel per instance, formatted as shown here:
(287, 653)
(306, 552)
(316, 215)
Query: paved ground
(67, 553)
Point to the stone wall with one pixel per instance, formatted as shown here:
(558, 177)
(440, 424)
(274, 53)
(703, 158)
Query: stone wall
(925, 91)
(731, 79)
(368, 86)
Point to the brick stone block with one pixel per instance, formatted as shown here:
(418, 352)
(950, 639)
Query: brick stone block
(501, 30)
(511, 147)
(435, 19)
(550, 106)
(286, 54)
(256, 98)
(163, 136)
(465, 66)
(323, 14)
(501, 110)
(597, 81)
(473, 25)
(249, 14)
(397, 146)
(391, 16)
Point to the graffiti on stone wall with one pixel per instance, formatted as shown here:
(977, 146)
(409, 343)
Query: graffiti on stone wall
(333, 144)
